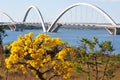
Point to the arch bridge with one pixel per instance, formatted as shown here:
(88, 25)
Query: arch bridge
(11, 25)
(113, 29)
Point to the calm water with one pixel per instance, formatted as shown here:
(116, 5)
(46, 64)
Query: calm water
(71, 36)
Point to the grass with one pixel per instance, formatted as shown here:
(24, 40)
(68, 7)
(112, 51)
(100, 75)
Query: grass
(28, 76)
(9, 75)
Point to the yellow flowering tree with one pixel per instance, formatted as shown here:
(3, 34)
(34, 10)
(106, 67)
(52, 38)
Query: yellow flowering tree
(40, 55)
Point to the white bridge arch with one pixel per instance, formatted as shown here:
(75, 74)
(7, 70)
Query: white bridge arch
(52, 28)
(39, 14)
(12, 26)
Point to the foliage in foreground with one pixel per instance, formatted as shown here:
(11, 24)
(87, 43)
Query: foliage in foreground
(41, 55)
(95, 59)
(2, 35)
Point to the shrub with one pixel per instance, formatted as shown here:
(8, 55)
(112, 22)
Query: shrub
(2, 35)
(40, 55)
(94, 58)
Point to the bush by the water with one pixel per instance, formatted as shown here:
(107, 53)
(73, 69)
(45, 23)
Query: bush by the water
(41, 55)
(96, 60)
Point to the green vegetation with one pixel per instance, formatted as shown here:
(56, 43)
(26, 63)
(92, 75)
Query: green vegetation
(46, 58)
(2, 35)
(95, 59)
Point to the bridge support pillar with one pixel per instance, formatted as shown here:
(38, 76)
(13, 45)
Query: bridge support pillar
(114, 31)
(57, 26)
(117, 31)
(16, 29)
(22, 27)
(19, 27)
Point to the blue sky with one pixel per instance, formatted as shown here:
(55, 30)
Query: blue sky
(51, 8)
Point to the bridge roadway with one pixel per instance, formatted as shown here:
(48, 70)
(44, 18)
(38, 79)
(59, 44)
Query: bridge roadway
(19, 26)
(105, 25)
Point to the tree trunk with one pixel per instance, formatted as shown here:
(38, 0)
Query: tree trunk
(1, 49)
(2, 57)
(40, 75)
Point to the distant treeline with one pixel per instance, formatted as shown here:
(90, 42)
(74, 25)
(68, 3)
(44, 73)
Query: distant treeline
(62, 27)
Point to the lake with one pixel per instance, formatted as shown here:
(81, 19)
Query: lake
(71, 36)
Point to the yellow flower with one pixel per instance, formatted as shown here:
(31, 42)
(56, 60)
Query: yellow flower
(34, 53)
(47, 59)
(23, 69)
(28, 42)
(26, 48)
(62, 54)
(66, 76)
(30, 34)
(31, 50)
